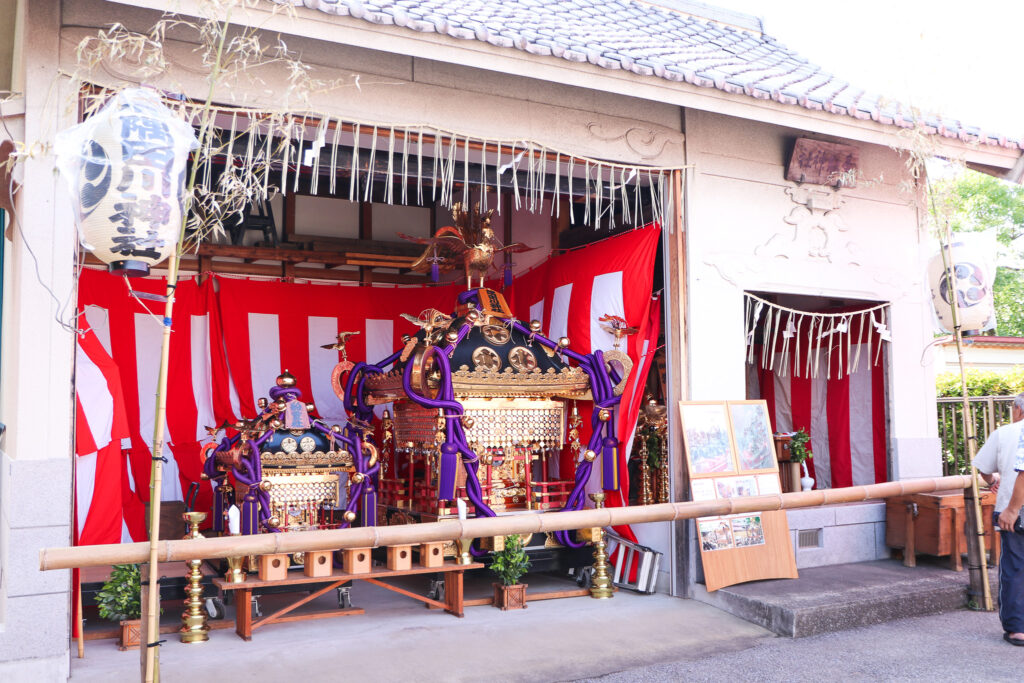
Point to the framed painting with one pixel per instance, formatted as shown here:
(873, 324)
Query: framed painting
(752, 436)
(706, 437)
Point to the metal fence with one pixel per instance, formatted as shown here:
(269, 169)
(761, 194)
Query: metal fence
(987, 412)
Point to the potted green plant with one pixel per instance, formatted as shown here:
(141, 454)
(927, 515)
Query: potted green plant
(799, 448)
(120, 600)
(510, 563)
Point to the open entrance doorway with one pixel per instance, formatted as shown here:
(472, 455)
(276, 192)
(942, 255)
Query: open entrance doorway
(821, 365)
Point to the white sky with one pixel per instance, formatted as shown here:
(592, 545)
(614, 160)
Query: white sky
(960, 59)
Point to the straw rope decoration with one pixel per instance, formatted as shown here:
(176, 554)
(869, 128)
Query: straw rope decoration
(262, 150)
(821, 336)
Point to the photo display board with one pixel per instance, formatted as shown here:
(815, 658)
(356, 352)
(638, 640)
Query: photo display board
(730, 452)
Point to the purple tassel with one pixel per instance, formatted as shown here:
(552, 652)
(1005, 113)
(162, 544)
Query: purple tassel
(249, 523)
(218, 509)
(508, 274)
(435, 272)
(448, 470)
(610, 464)
(369, 511)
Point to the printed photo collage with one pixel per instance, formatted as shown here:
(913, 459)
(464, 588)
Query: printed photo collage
(730, 453)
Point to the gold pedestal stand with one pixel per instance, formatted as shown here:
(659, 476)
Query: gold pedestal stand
(601, 585)
(193, 620)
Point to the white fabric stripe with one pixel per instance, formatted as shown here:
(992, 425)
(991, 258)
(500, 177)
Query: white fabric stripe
(236, 407)
(202, 375)
(560, 312)
(264, 353)
(380, 337)
(95, 398)
(783, 400)
(126, 536)
(862, 447)
(819, 433)
(85, 484)
(98, 320)
(605, 299)
(321, 365)
(148, 340)
(537, 313)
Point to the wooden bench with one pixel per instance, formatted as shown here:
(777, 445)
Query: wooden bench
(244, 625)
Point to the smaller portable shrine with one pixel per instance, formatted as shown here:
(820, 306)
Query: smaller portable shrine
(287, 466)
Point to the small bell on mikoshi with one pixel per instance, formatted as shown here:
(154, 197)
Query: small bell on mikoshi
(971, 280)
(125, 166)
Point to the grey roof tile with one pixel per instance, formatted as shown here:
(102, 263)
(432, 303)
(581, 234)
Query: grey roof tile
(650, 41)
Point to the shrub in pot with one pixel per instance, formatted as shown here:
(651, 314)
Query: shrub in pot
(510, 563)
(120, 600)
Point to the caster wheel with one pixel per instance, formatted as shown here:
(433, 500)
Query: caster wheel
(344, 597)
(215, 608)
(585, 577)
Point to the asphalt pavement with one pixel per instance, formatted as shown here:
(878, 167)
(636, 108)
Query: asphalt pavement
(953, 646)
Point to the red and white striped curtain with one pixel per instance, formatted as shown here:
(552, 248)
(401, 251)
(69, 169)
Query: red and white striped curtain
(232, 337)
(841, 407)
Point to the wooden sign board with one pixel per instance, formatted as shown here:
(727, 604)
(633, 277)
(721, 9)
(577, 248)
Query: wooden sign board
(823, 163)
(730, 452)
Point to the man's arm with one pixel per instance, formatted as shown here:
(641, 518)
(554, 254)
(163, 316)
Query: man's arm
(1008, 517)
(992, 480)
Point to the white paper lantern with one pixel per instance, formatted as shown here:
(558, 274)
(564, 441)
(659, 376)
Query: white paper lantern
(974, 272)
(126, 169)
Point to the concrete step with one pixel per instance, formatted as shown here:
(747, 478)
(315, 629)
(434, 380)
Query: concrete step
(839, 597)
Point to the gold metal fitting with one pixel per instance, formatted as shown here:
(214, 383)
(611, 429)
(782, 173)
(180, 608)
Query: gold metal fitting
(204, 477)
(534, 326)
(349, 516)
(274, 522)
(286, 380)
(336, 429)
(452, 336)
(262, 403)
(358, 477)
(266, 485)
(563, 342)
(276, 424)
(604, 415)
(310, 408)
(473, 317)
(589, 455)
(468, 422)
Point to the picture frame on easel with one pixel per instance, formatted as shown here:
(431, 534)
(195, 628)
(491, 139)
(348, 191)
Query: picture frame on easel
(752, 436)
(707, 437)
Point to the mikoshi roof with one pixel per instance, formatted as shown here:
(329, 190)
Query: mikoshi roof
(675, 40)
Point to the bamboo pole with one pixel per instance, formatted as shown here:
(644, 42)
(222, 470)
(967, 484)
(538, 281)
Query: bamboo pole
(151, 647)
(977, 564)
(450, 529)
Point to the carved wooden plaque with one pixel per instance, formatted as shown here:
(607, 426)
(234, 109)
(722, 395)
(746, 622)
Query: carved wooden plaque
(823, 163)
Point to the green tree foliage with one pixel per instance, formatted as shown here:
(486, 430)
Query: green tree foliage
(511, 562)
(978, 202)
(981, 383)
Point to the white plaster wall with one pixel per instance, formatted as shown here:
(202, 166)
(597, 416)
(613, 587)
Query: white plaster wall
(738, 240)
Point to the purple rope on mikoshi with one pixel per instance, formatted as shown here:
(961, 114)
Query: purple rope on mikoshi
(604, 397)
(455, 435)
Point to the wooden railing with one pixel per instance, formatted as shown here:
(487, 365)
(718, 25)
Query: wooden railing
(987, 412)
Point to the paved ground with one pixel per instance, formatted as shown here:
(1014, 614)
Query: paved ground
(628, 638)
(954, 646)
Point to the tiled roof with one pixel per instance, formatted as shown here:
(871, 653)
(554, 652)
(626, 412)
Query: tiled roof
(676, 40)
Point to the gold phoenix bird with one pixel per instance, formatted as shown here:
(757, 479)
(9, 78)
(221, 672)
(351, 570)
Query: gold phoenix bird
(471, 241)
